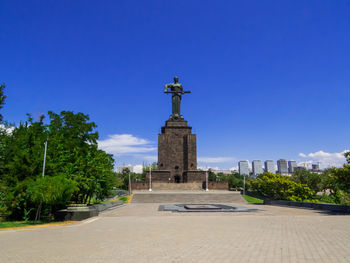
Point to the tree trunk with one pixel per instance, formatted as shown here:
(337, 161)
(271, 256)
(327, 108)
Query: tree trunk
(37, 213)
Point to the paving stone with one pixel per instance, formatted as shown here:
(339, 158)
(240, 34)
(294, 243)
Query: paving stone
(139, 232)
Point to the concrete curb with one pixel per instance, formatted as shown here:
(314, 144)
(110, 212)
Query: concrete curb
(91, 211)
(316, 206)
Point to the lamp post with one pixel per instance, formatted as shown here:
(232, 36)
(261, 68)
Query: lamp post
(37, 217)
(243, 184)
(45, 157)
(129, 184)
(150, 178)
(206, 179)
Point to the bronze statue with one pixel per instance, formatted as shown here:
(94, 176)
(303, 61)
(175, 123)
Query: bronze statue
(177, 90)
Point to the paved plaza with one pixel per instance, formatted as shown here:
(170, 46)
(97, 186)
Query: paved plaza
(138, 232)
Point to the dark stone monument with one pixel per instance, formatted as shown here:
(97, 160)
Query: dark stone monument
(177, 148)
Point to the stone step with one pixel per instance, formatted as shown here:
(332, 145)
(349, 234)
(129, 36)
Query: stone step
(192, 198)
(172, 186)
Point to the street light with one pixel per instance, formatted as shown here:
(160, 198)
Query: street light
(206, 179)
(43, 174)
(45, 157)
(243, 184)
(150, 178)
(129, 184)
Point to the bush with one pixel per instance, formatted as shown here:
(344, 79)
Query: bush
(50, 191)
(280, 187)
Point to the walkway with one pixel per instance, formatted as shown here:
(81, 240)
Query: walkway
(139, 232)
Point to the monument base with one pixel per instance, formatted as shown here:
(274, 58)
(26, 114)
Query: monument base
(164, 176)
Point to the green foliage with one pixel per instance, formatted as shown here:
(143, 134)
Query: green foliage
(340, 197)
(236, 180)
(26, 214)
(51, 190)
(312, 180)
(2, 98)
(342, 177)
(212, 177)
(73, 158)
(4, 204)
(280, 187)
(347, 156)
(20, 223)
(123, 198)
(123, 177)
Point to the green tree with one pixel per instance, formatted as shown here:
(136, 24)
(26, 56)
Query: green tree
(50, 191)
(347, 156)
(72, 154)
(280, 187)
(312, 180)
(235, 180)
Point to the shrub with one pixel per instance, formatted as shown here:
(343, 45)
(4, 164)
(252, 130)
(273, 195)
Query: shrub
(280, 187)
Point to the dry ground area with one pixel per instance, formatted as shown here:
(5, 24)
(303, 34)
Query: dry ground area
(139, 232)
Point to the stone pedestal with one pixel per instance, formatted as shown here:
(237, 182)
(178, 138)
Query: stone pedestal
(177, 154)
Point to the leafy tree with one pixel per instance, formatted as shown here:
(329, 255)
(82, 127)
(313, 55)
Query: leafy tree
(312, 180)
(2, 98)
(280, 187)
(347, 156)
(212, 177)
(236, 180)
(50, 190)
(72, 154)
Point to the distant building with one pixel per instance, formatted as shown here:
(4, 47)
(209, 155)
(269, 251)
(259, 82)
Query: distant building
(291, 166)
(243, 167)
(299, 168)
(270, 166)
(257, 168)
(315, 167)
(282, 165)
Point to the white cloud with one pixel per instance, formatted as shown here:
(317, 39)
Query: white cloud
(325, 159)
(234, 168)
(125, 144)
(216, 159)
(205, 168)
(138, 168)
(7, 129)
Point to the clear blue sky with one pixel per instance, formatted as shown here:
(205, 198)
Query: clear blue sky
(269, 79)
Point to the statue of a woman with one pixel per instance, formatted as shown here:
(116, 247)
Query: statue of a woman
(177, 90)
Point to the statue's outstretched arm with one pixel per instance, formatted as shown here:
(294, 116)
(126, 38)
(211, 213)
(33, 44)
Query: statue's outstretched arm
(166, 87)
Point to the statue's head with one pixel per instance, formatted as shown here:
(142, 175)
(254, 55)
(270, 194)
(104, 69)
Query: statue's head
(176, 79)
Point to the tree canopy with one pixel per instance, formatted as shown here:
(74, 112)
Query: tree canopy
(76, 170)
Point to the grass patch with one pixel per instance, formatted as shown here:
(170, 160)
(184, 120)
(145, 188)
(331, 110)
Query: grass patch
(126, 199)
(253, 200)
(8, 224)
(123, 198)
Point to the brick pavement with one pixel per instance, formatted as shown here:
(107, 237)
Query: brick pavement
(140, 233)
(194, 197)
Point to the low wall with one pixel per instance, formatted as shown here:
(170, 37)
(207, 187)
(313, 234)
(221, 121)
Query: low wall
(84, 212)
(316, 206)
(160, 176)
(180, 186)
(218, 186)
(139, 185)
(194, 176)
(165, 176)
